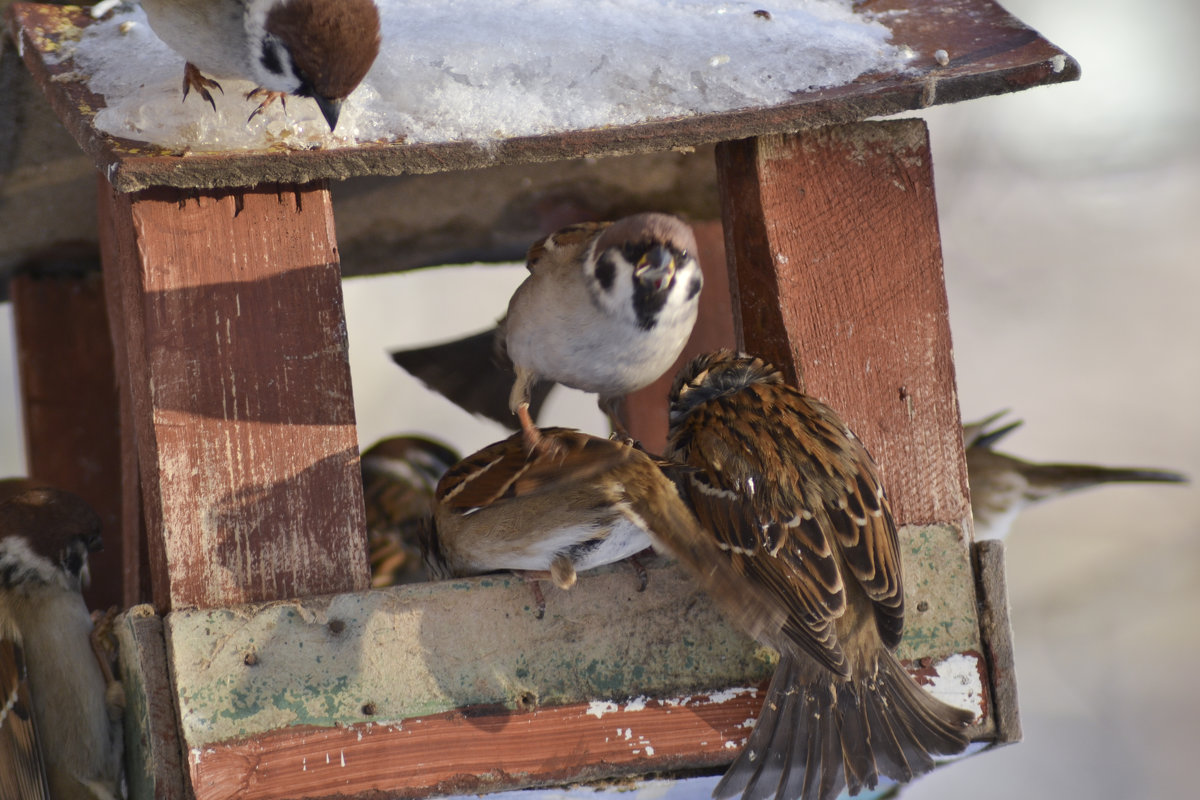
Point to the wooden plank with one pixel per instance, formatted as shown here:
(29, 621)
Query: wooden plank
(456, 686)
(117, 245)
(836, 266)
(69, 399)
(646, 410)
(991, 53)
(240, 384)
(997, 638)
(473, 752)
(153, 759)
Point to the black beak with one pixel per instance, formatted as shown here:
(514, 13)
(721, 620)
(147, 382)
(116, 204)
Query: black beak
(332, 109)
(656, 266)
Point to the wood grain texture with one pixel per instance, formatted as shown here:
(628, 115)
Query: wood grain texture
(646, 409)
(237, 356)
(117, 246)
(476, 750)
(836, 268)
(69, 405)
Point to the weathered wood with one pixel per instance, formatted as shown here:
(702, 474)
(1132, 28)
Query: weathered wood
(836, 270)
(456, 686)
(138, 584)
(476, 752)
(240, 383)
(69, 403)
(996, 635)
(991, 53)
(154, 761)
(646, 410)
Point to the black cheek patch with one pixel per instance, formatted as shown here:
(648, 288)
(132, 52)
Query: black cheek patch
(606, 272)
(694, 287)
(73, 563)
(270, 59)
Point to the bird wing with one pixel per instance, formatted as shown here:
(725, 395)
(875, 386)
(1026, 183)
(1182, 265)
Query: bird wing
(504, 471)
(22, 771)
(790, 516)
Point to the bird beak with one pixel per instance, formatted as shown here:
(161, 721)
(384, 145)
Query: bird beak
(656, 266)
(332, 109)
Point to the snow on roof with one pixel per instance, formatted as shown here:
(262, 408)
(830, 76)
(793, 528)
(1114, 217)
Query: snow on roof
(484, 70)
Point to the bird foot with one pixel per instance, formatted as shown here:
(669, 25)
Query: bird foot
(103, 642)
(193, 79)
(640, 570)
(269, 97)
(533, 580)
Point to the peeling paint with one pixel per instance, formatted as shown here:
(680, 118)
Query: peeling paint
(957, 682)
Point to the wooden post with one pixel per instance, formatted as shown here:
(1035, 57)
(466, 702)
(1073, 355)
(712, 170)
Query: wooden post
(239, 384)
(646, 409)
(836, 271)
(69, 401)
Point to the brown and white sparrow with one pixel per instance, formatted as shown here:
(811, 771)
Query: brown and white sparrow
(310, 48)
(399, 476)
(796, 505)
(45, 538)
(607, 308)
(1002, 486)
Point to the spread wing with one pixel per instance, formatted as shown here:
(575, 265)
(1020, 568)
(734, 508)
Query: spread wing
(799, 517)
(22, 772)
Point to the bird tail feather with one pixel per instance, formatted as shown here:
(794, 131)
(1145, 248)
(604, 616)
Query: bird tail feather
(815, 737)
(468, 373)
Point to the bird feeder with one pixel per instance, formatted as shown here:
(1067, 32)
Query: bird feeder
(265, 668)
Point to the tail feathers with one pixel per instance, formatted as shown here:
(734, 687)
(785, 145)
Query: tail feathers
(469, 374)
(1045, 480)
(815, 738)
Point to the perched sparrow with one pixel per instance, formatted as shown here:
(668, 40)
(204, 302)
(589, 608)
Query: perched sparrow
(1002, 486)
(311, 48)
(580, 504)
(795, 503)
(607, 308)
(399, 477)
(45, 537)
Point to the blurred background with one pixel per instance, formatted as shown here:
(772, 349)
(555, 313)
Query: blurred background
(1070, 219)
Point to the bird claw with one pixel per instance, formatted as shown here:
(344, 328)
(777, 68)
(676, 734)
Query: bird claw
(532, 578)
(270, 97)
(102, 641)
(640, 569)
(193, 79)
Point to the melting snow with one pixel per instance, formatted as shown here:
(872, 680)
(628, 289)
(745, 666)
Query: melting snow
(483, 70)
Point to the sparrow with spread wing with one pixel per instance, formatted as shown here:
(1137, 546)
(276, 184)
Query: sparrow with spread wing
(797, 507)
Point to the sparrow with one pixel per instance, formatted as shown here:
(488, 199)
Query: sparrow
(580, 504)
(607, 307)
(1002, 486)
(46, 535)
(309, 48)
(399, 476)
(796, 505)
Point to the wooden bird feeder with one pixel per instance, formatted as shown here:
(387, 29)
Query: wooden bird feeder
(266, 669)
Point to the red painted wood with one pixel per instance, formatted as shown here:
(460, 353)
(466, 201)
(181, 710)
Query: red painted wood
(69, 402)
(646, 409)
(236, 351)
(472, 753)
(836, 265)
